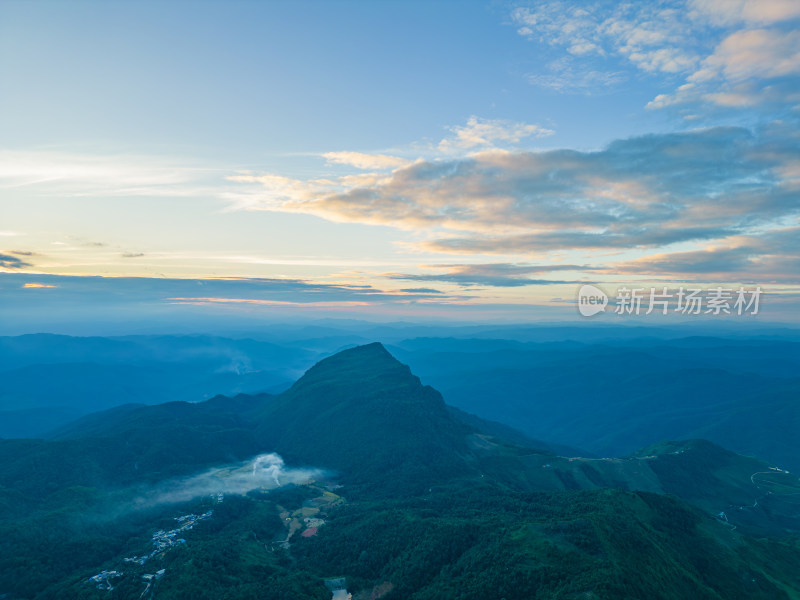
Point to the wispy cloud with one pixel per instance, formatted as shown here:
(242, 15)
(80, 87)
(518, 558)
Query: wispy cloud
(74, 175)
(278, 192)
(732, 53)
(363, 160)
(8, 261)
(771, 256)
(248, 293)
(710, 261)
(490, 274)
(28, 286)
(748, 68)
(744, 12)
(651, 36)
(259, 302)
(564, 75)
(489, 133)
(420, 290)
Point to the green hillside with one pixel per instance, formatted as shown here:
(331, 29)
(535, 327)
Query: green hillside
(414, 501)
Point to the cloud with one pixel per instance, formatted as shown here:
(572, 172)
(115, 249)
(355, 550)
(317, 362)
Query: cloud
(757, 53)
(487, 133)
(651, 36)
(263, 472)
(746, 12)
(646, 191)
(365, 161)
(7, 261)
(199, 301)
(419, 290)
(131, 295)
(132, 254)
(78, 305)
(278, 192)
(274, 190)
(493, 274)
(717, 260)
(565, 76)
(84, 175)
(769, 256)
(733, 53)
(540, 243)
(68, 175)
(747, 68)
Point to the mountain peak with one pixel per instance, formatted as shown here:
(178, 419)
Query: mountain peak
(366, 415)
(370, 365)
(374, 351)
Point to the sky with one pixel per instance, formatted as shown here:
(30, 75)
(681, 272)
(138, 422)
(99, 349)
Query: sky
(470, 161)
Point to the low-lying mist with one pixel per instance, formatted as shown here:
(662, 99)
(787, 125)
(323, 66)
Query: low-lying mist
(262, 472)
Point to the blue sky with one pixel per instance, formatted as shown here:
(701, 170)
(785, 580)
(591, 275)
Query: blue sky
(473, 160)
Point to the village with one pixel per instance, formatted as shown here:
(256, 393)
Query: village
(307, 519)
(162, 541)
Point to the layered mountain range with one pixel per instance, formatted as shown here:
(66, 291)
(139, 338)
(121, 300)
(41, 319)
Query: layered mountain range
(431, 502)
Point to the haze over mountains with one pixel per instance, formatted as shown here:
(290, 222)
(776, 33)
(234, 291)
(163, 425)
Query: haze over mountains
(428, 496)
(613, 397)
(48, 380)
(636, 386)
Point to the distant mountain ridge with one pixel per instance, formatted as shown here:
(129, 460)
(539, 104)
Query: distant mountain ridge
(73, 376)
(636, 385)
(614, 397)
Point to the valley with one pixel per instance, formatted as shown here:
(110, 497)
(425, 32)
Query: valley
(390, 494)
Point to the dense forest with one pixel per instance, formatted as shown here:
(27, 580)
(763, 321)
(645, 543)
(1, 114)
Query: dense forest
(385, 490)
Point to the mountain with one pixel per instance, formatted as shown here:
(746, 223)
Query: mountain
(363, 414)
(371, 418)
(608, 544)
(635, 386)
(506, 432)
(48, 380)
(419, 501)
(35, 422)
(614, 397)
(359, 412)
